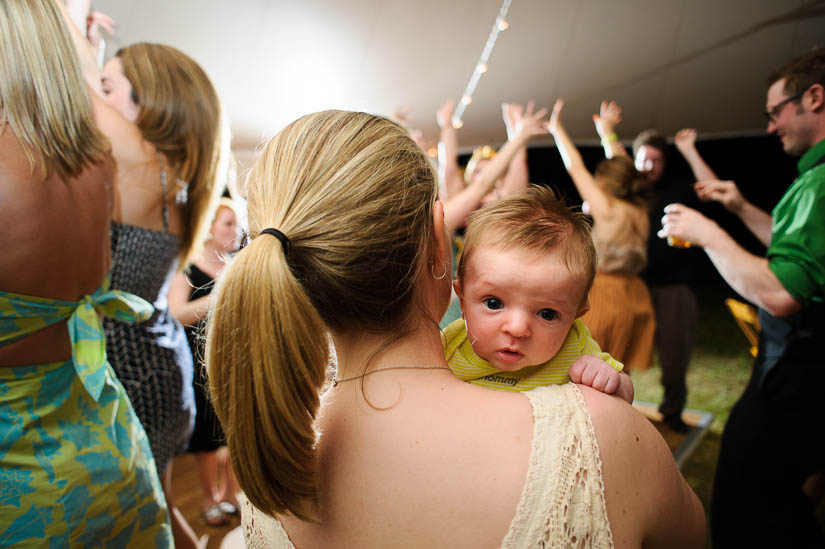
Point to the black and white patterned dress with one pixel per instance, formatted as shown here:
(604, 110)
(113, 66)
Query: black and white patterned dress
(152, 359)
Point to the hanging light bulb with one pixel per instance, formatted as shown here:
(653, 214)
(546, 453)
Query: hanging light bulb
(481, 68)
(457, 124)
(432, 152)
(502, 24)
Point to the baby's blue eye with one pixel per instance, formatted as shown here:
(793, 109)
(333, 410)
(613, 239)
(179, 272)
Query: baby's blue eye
(493, 303)
(548, 314)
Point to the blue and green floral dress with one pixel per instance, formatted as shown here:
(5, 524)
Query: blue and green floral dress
(75, 465)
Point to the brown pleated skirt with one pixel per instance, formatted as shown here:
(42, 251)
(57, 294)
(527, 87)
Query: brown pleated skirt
(621, 318)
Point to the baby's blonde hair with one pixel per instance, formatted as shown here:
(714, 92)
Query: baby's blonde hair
(536, 220)
(354, 196)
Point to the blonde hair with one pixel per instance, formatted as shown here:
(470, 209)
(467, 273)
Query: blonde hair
(354, 195)
(623, 180)
(484, 152)
(226, 203)
(180, 114)
(44, 98)
(533, 219)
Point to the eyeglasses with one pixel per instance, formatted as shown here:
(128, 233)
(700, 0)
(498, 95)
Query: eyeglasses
(772, 112)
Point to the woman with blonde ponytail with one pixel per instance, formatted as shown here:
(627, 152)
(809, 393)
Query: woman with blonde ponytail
(348, 238)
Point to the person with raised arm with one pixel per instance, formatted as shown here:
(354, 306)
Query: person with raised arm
(670, 272)
(348, 238)
(773, 440)
(486, 176)
(621, 315)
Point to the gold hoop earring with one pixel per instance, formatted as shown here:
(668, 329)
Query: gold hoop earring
(432, 272)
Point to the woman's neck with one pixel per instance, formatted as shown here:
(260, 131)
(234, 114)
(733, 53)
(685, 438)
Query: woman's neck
(355, 351)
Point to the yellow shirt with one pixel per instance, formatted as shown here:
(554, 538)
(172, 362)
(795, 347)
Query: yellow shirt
(468, 366)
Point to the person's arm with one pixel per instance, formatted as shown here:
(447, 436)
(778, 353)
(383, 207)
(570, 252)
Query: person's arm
(746, 273)
(124, 136)
(757, 221)
(685, 141)
(598, 200)
(651, 506)
(188, 313)
(610, 114)
(449, 176)
(517, 177)
(458, 207)
(75, 13)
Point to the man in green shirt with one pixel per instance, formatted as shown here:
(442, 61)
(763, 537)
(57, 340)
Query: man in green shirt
(775, 436)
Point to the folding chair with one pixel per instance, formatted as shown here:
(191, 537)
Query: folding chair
(747, 318)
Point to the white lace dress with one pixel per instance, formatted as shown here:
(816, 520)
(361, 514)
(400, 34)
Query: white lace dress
(562, 502)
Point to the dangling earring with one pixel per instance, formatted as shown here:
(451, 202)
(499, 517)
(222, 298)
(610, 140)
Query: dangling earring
(182, 194)
(432, 272)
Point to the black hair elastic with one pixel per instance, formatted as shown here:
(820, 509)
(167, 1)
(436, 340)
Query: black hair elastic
(280, 236)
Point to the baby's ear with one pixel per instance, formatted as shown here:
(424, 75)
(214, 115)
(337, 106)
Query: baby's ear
(584, 308)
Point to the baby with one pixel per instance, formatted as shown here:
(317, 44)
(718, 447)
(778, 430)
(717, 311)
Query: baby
(523, 278)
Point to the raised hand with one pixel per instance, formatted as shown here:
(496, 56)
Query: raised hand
(531, 123)
(512, 113)
(725, 192)
(403, 114)
(555, 117)
(96, 23)
(685, 140)
(610, 115)
(444, 114)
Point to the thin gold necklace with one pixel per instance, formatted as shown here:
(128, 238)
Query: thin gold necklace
(336, 381)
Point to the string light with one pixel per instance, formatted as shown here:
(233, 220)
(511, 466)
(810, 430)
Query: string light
(500, 24)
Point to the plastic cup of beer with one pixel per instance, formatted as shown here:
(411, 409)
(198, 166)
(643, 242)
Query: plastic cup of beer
(676, 242)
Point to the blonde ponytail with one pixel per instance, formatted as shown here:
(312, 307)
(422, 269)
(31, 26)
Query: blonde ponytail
(267, 353)
(354, 195)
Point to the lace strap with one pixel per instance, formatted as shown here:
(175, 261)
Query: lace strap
(562, 501)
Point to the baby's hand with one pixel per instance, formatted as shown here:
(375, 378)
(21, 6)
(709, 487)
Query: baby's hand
(596, 373)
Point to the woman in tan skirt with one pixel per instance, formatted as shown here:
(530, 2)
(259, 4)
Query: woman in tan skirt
(621, 316)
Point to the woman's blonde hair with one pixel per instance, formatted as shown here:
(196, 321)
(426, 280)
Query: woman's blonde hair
(354, 194)
(180, 114)
(623, 180)
(44, 98)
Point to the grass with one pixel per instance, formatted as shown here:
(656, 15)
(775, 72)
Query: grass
(719, 370)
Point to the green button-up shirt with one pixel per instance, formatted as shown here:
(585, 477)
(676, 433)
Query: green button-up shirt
(797, 251)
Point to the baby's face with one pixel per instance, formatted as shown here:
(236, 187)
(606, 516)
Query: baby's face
(518, 305)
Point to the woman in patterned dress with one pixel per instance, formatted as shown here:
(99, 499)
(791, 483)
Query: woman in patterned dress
(75, 463)
(163, 117)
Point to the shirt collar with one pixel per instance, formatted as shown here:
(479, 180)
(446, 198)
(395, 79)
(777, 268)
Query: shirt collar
(810, 157)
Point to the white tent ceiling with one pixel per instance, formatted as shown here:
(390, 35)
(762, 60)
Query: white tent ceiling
(669, 63)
